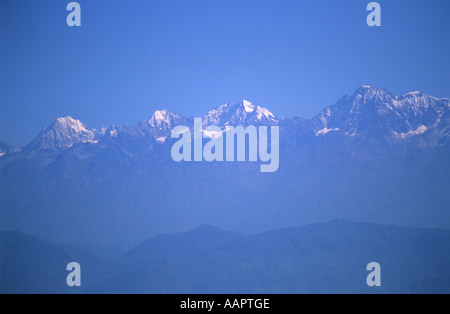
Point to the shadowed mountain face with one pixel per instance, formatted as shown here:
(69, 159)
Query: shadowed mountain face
(29, 265)
(318, 258)
(322, 258)
(373, 156)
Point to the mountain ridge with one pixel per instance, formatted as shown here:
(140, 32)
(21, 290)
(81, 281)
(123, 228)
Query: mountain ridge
(369, 111)
(123, 178)
(317, 258)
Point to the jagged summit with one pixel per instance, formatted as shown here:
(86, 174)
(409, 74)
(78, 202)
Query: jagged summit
(367, 92)
(377, 112)
(248, 106)
(62, 133)
(372, 112)
(243, 113)
(165, 120)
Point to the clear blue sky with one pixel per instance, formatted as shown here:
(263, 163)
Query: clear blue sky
(132, 57)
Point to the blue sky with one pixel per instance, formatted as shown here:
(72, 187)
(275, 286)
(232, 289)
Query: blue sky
(132, 57)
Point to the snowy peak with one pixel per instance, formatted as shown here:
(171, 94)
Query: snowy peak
(362, 90)
(165, 120)
(377, 112)
(262, 114)
(243, 113)
(71, 125)
(248, 106)
(372, 113)
(62, 134)
(367, 94)
(109, 132)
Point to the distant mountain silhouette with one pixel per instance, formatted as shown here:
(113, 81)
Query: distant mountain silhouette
(29, 265)
(319, 258)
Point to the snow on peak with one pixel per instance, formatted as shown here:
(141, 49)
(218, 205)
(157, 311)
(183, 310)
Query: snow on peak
(161, 116)
(366, 92)
(164, 119)
(248, 106)
(61, 134)
(417, 94)
(364, 89)
(243, 113)
(379, 112)
(76, 125)
(263, 113)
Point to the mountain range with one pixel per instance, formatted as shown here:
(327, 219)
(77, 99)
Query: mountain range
(369, 112)
(318, 258)
(373, 156)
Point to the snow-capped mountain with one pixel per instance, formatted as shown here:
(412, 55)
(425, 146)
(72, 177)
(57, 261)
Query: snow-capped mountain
(61, 134)
(336, 165)
(109, 132)
(243, 113)
(376, 112)
(166, 120)
(371, 112)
